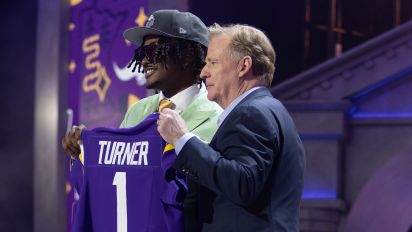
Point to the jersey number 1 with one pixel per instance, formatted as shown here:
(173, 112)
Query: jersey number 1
(119, 181)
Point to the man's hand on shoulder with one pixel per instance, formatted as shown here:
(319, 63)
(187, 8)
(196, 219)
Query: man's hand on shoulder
(72, 140)
(171, 126)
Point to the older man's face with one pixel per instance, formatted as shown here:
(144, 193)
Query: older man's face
(220, 72)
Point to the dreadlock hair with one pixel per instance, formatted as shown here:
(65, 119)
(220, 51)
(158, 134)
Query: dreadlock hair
(185, 53)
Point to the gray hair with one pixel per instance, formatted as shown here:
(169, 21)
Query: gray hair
(249, 41)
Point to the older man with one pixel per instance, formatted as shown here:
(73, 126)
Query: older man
(252, 172)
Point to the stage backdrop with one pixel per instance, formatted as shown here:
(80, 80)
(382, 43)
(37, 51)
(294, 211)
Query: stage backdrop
(101, 87)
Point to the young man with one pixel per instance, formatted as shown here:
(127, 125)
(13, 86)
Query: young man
(171, 54)
(252, 172)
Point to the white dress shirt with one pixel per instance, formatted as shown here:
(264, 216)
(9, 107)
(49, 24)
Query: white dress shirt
(183, 98)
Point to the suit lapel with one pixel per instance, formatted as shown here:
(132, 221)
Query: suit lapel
(255, 94)
(149, 107)
(152, 105)
(197, 112)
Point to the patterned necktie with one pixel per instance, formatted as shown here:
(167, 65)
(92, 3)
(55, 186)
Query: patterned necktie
(165, 103)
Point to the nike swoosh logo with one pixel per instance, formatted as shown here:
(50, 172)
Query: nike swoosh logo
(126, 74)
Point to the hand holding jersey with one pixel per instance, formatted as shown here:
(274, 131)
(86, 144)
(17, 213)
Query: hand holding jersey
(171, 125)
(72, 140)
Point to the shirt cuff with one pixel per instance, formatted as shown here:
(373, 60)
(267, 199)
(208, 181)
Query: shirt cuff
(182, 141)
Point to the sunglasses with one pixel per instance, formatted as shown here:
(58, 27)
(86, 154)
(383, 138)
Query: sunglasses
(148, 52)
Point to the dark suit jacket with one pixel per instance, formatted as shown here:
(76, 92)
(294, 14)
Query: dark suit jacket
(251, 174)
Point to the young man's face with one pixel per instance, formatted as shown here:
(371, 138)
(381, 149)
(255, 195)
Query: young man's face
(157, 75)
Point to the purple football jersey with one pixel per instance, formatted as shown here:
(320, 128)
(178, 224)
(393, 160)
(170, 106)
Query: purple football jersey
(128, 182)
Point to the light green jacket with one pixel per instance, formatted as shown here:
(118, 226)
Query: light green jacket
(200, 116)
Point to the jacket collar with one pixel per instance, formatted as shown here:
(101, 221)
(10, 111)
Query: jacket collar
(198, 111)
